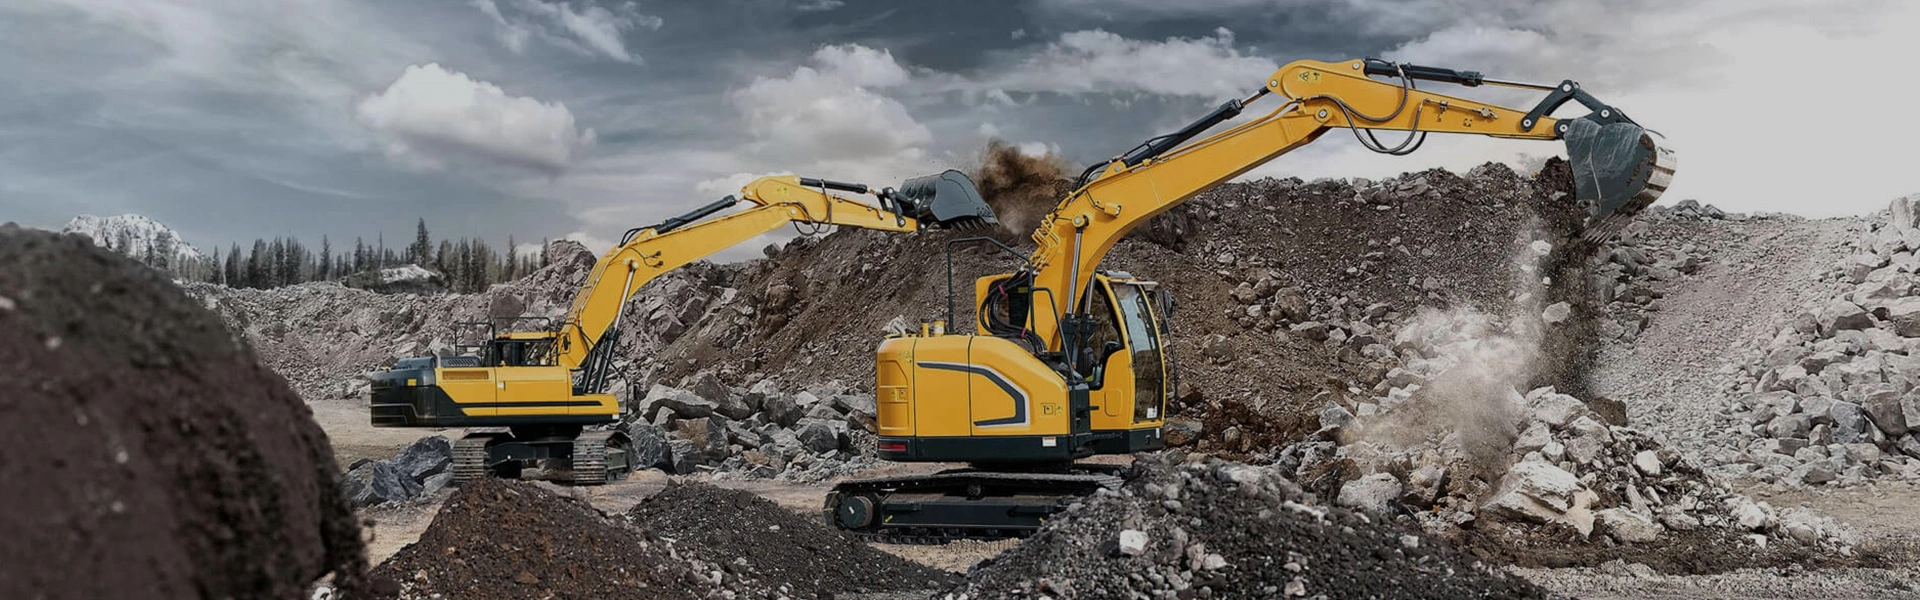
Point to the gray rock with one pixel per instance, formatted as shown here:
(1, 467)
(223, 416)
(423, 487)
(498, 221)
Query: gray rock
(819, 435)
(687, 456)
(1336, 416)
(1884, 407)
(1841, 315)
(732, 406)
(861, 410)
(1904, 313)
(1627, 527)
(780, 410)
(1291, 304)
(1648, 463)
(1558, 410)
(1540, 492)
(682, 403)
(1812, 473)
(761, 391)
(1374, 493)
(377, 482)
(651, 449)
(1909, 445)
(1133, 542)
(1312, 330)
(1796, 425)
(1680, 521)
(1424, 485)
(435, 483)
(425, 457)
(1849, 423)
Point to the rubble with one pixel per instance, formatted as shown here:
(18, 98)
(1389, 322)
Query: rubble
(1829, 398)
(1192, 527)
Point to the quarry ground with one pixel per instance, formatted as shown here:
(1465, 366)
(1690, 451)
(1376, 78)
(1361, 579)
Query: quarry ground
(1669, 377)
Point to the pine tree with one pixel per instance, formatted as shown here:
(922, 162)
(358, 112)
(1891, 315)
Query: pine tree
(160, 253)
(325, 269)
(359, 254)
(232, 270)
(122, 242)
(219, 276)
(257, 265)
(422, 244)
(511, 265)
(380, 251)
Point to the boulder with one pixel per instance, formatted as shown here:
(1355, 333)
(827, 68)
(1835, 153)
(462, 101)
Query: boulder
(377, 482)
(687, 456)
(1335, 416)
(1557, 313)
(1424, 485)
(1885, 407)
(1311, 330)
(1557, 410)
(1374, 493)
(1795, 425)
(651, 449)
(1648, 463)
(1290, 303)
(1812, 473)
(762, 391)
(1841, 315)
(860, 409)
(1540, 492)
(1180, 432)
(780, 410)
(1627, 527)
(435, 483)
(425, 457)
(732, 406)
(1849, 422)
(683, 404)
(1904, 313)
(1749, 515)
(820, 435)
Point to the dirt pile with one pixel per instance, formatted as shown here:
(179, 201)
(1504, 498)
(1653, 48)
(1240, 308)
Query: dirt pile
(1211, 528)
(501, 539)
(1832, 395)
(753, 538)
(146, 442)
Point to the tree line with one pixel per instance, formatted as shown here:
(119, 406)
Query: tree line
(466, 265)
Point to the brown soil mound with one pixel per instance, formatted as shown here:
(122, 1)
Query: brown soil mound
(502, 539)
(149, 454)
(1228, 530)
(760, 540)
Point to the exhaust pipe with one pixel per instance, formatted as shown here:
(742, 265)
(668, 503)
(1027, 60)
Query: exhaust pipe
(1619, 169)
(948, 200)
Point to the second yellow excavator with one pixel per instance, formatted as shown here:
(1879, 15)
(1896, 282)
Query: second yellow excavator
(1069, 361)
(529, 397)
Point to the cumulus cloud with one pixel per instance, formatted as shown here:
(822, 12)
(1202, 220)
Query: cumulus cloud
(430, 113)
(592, 30)
(834, 108)
(1100, 61)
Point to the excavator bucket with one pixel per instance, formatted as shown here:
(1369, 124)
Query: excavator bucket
(948, 200)
(1619, 169)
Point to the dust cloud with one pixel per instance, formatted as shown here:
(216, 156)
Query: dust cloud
(1020, 187)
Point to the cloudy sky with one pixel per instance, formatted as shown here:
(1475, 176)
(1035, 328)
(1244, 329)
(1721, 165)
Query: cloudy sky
(231, 119)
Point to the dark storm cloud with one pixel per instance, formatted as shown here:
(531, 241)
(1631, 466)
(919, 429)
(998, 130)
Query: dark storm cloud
(231, 119)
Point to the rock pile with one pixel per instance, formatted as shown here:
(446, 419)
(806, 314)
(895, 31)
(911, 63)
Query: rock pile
(1206, 528)
(758, 431)
(751, 538)
(1833, 397)
(418, 470)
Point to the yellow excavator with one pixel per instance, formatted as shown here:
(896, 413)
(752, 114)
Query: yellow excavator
(529, 397)
(1069, 361)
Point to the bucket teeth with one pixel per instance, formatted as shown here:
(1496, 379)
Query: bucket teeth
(1619, 169)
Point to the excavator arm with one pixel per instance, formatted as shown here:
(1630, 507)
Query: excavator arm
(945, 200)
(1618, 167)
